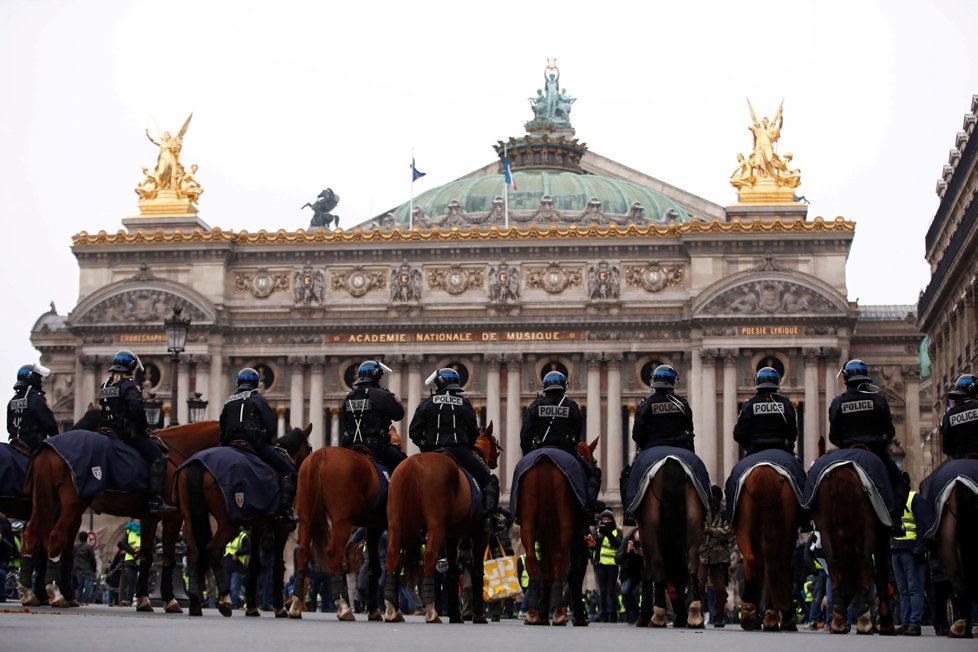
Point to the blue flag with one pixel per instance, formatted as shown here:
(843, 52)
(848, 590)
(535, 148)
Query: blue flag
(415, 172)
(510, 180)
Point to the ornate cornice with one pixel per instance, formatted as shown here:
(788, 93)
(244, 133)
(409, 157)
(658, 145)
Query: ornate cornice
(531, 232)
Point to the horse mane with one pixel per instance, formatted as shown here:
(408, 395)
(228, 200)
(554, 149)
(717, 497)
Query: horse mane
(292, 440)
(90, 420)
(487, 447)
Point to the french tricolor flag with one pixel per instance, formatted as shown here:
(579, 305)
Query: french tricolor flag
(510, 180)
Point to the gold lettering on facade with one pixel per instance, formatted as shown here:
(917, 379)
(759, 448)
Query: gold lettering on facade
(771, 330)
(461, 337)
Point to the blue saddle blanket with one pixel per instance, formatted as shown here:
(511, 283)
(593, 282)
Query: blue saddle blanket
(13, 470)
(568, 465)
(937, 488)
(100, 463)
(384, 480)
(249, 486)
(871, 471)
(648, 462)
(786, 464)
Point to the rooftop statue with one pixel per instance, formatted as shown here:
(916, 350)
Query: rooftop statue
(552, 105)
(169, 174)
(764, 176)
(322, 217)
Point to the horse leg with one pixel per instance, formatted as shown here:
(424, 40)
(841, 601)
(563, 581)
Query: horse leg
(947, 542)
(840, 603)
(479, 542)
(65, 529)
(575, 580)
(528, 536)
(373, 574)
(335, 554)
(253, 572)
(558, 571)
(882, 576)
(278, 570)
(434, 543)
(453, 580)
(171, 529)
(391, 612)
(695, 520)
(225, 532)
(745, 541)
(147, 547)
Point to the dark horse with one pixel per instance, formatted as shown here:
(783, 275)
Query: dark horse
(430, 494)
(766, 524)
(957, 544)
(338, 490)
(551, 517)
(670, 518)
(857, 549)
(58, 509)
(199, 497)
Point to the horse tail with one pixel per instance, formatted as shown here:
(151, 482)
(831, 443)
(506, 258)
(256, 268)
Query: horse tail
(200, 524)
(967, 536)
(674, 519)
(311, 502)
(45, 505)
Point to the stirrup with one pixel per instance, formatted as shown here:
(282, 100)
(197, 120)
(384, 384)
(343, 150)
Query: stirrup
(158, 506)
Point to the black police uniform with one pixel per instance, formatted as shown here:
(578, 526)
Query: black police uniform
(29, 417)
(959, 429)
(767, 420)
(247, 417)
(368, 412)
(864, 418)
(123, 411)
(446, 421)
(663, 419)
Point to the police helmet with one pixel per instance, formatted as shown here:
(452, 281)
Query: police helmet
(126, 361)
(248, 378)
(664, 377)
(555, 381)
(369, 371)
(767, 378)
(31, 375)
(965, 386)
(447, 379)
(856, 371)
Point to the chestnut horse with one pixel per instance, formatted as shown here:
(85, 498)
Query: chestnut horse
(857, 549)
(957, 544)
(200, 497)
(430, 493)
(551, 517)
(671, 518)
(337, 491)
(766, 524)
(58, 511)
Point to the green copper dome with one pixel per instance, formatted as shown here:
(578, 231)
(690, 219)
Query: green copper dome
(570, 193)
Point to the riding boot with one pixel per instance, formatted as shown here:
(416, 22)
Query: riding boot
(490, 502)
(157, 481)
(286, 496)
(629, 518)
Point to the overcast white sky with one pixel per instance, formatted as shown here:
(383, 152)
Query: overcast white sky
(292, 97)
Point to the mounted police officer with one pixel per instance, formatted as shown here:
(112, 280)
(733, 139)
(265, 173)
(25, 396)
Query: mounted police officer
(555, 420)
(123, 412)
(29, 417)
(767, 420)
(959, 428)
(247, 417)
(861, 416)
(663, 419)
(368, 412)
(445, 421)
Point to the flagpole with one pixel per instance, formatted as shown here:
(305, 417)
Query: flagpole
(411, 202)
(505, 187)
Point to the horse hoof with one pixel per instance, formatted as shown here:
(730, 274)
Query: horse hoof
(346, 615)
(480, 620)
(839, 624)
(281, 612)
(695, 620)
(252, 612)
(643, 621)
(959, 629)
(436, 620)
(27, 597)
(55, 598)
(560, 617)
(748, 616)
(375, 615)
(398, 617)
(581, 621)
(789, 625)
(658, 617)
(772, 621)
(864, 624)
(196, 611)
(76, 603)
(144, 605)
(172, 607)
(296, 607)
(224, 606)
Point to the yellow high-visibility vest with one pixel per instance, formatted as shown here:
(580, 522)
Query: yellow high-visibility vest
(234, 546)
(607, 556)
(909, 522)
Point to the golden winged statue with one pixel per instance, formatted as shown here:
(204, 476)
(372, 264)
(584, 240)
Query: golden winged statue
(169, 174)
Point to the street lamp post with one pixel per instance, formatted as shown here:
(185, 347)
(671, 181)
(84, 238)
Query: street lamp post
(196, 408)
(153, 408)
(176, 339)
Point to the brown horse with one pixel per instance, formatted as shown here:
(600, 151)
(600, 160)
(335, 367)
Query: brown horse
(58, 511)
(430, 494)
(200, 497)
(857, 549)
(551, 518)
(671, 518)
(957, 543)
(766, 524)
(338, 490)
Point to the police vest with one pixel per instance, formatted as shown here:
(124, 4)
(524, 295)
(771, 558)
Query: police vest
(448, 426)
(553, 422)
(20, 421)
(242, 420)
(366, 421)
(111, 398)
(909, 522)
(607, 555)
(859, 416)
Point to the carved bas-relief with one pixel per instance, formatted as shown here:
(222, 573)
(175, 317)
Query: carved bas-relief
(405, 284)
(309, 286)
(504, 284)
(136, 306)
(773, 296)
(455, 279)
(357, 281)
(554, 278)
(603, 282)
(653, 277)
(261, 283)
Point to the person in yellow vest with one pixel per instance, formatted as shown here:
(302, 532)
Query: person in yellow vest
(235, 563)
(127, 583)
(606, 541)
(909, 559)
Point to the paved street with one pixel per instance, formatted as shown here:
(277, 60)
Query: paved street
(99, 628)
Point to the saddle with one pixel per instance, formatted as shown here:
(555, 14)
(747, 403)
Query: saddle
(153, 437)
(363, 450)
(21, 446)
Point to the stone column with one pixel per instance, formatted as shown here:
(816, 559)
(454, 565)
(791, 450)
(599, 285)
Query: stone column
(414, 398)
(613, 464)
(731, 450)
(216, 403)
(317, 367)
(628, 435)
(911, 383)
(280, 416)
(695, 385)
(297, 390)
(395, 385)
(706, 440)
(183, 383)
(832, 366)
(493, 414)
(202, 384)
(86, 368)
(811, 406)
(334, 427)
(593, 425)
(514, 417)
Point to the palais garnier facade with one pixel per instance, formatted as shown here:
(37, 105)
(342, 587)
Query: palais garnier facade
(581, 264)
